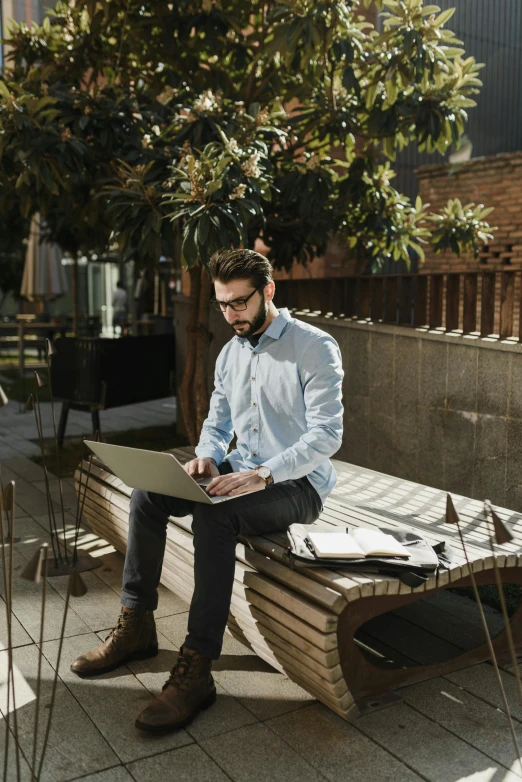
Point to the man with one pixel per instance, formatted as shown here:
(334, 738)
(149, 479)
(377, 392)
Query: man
(278, 387)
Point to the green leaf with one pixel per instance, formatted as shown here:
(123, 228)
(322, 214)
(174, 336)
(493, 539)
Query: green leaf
(189, 248)
(203, 229)
(444, 17)
(4, 90)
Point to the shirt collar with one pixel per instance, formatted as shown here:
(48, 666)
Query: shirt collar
(275, 329)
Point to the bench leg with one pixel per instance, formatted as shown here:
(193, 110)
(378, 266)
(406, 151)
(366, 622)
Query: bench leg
(367, 682)
(64, 414)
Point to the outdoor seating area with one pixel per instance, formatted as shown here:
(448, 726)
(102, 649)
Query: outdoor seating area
(448, 727)
(282, 243)
(317, 625)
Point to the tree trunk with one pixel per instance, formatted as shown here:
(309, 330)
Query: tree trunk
(203, 341)
(186, 389)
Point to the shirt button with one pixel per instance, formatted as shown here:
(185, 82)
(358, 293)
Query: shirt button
(254, 353)
(254, 430)
(254, 454)
(254, 404)
(252, 378)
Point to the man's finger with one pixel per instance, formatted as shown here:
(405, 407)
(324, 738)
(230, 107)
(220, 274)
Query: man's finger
(203, 467)
(217, 481)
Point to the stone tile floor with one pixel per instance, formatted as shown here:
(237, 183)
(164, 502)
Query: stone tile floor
(263, 726)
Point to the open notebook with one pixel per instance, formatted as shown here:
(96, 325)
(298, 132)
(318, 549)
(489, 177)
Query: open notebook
(358, 544)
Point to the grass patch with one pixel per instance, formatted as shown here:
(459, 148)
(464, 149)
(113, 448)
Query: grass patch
(489, 596)
(18, 388)
(152, 438)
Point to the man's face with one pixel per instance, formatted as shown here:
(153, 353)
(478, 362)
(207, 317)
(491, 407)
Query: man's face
(247, 321)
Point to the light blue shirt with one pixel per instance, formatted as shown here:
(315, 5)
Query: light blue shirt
(283, 399)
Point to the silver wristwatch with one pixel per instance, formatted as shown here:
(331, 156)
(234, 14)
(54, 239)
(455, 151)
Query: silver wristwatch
(265, 474)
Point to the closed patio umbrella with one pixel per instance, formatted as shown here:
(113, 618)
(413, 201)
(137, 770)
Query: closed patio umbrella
(44, 276)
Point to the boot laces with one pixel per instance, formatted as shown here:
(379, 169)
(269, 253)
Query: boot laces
(182, 672)
(123, 627)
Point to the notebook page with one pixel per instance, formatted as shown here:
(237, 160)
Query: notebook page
(375, 543)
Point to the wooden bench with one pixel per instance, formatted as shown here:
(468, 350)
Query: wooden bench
(312, 624)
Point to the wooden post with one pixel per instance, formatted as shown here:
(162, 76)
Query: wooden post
(436, 291)
(405, 299)
(337, 293)
(420, 301)
(350, 297)
(507, 302)
(325, 288)
(390, 300)
(487, 310)
(377, 297)
(452, 301)
(469, 321)
(363, 298)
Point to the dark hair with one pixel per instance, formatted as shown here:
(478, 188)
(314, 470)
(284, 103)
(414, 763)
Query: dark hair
(227, 265)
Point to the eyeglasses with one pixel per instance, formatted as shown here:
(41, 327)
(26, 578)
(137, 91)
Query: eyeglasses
(238, 305)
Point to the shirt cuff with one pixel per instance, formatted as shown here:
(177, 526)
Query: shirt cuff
(277, 469)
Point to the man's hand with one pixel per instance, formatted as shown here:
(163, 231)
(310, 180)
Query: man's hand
(201, 468)
(236, 483)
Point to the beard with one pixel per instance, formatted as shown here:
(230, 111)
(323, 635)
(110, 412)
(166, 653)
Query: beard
(251, 326)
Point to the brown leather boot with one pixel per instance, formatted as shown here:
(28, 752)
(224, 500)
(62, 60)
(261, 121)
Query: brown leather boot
(189, 689)
(133, 638)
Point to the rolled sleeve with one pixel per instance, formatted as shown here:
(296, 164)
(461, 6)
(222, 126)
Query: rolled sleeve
(321, 379)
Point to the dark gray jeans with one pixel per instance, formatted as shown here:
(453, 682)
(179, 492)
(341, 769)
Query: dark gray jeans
(215, 529)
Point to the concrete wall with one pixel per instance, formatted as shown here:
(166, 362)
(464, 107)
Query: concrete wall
(445, 411)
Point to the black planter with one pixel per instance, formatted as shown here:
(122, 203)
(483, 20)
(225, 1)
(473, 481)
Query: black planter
(93, 374)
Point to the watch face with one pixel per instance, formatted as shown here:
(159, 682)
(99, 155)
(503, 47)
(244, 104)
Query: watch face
(264, 473)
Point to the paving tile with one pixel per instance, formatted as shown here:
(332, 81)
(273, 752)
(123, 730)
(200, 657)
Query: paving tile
(336, 748)
(100, 608)
(25, 771)
(68, 493)
(113, 701)
(26, 469)
(24, 447)
(76, 747)
(481, 680)
(18, 635)
(7, 453)
(429, 749)
(479, 724)
(27, 604)
(116, 774)
(259, 687)
(30, 499)
(6, 474)
(188, 763)
(256, 752)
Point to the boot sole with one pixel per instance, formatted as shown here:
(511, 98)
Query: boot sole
(145, 654)
(206, 704)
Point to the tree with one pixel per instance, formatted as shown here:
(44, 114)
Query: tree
(230, 121)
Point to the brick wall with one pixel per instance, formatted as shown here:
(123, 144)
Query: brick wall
(493, 181)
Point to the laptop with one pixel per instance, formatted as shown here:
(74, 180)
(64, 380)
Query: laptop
(153, 471)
